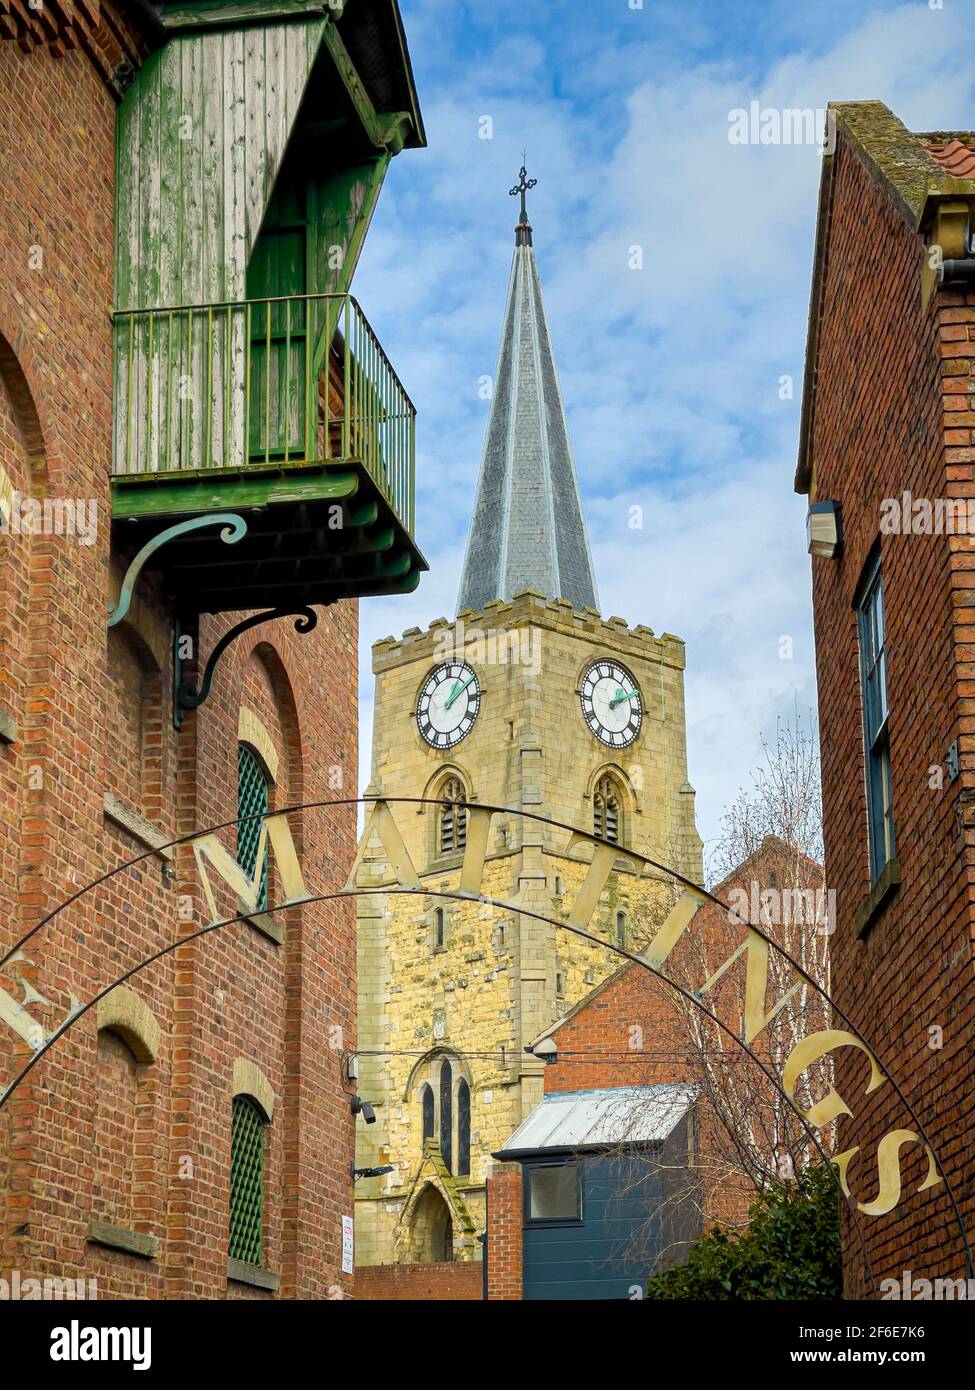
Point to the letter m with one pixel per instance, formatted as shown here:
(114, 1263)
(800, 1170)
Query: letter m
(208, 850)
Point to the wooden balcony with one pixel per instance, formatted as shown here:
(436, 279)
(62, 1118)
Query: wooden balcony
(285, 412)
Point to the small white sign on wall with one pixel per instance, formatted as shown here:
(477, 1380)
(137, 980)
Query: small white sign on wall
(348, 1245)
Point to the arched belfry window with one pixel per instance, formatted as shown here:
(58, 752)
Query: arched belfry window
(447, 1115)
(452, 823)
(463, 1129)
(427, 1107)
(607, 810)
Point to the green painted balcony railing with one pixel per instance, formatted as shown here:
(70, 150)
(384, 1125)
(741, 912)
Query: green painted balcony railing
(257, 383)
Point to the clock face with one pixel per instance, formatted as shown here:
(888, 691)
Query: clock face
(448, 704)
(611, 703)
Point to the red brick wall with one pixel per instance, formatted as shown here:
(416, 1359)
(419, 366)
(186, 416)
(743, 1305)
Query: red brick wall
(891, 377)
(446, 1281)
(93, 714)
(505, 1224)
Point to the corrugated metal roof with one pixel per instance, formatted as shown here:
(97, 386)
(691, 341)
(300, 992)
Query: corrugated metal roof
(613, 1115)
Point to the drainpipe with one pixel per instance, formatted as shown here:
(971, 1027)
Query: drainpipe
(957, 273)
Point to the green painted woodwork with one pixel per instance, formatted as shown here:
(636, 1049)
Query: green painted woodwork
(253, 799)
(231, 12)
(247, 1181)
(173, 494)
(250, 158)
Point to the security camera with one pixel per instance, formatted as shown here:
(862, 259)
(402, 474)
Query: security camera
(363, 1108)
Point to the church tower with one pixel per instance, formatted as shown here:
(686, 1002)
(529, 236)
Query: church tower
(529, 700)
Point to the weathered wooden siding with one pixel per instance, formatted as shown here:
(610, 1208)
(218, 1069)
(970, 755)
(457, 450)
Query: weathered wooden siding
(202, 134)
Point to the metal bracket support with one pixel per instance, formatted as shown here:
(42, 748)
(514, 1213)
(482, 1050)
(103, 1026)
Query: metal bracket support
(234, 529)
(187, 696)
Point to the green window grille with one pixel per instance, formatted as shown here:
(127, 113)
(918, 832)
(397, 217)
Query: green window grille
(247, 1181)
(253, 798)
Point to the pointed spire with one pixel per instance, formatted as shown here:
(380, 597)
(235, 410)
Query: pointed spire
(528, 530)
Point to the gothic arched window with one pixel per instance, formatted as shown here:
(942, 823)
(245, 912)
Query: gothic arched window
(427, 1104)
(607, 810)
(463, 1129)
(446, 1115)
(452, 826)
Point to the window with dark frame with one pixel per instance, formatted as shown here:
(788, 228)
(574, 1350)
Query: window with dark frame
(427, 1104)
(554, 1192)
(447, 1116)
(873, 684)
(463, 1129)
(253, 799)
(247, 1181)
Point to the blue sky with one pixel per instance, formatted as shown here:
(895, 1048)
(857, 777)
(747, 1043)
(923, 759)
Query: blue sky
(671, 373)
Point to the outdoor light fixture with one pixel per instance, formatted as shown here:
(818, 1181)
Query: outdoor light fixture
(824, 529)
(363, 1108)
(547, 1050)
(371, 1172)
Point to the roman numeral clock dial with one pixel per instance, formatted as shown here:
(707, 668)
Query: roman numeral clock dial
(448, 704)
(611, 703)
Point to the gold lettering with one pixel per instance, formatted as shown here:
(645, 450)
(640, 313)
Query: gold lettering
(809, 1050)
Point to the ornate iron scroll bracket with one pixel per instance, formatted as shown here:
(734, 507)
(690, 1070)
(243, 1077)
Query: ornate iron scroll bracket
(187, 696)
(234, 529)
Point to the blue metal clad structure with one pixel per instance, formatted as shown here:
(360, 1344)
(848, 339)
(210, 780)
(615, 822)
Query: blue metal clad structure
(617, 1243)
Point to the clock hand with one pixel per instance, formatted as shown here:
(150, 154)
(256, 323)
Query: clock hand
(457, 690)
(621, 698)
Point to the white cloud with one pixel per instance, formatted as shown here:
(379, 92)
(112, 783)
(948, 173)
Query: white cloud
(670, 373)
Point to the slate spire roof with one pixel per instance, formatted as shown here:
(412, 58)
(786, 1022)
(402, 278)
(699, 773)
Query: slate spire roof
(528, 530)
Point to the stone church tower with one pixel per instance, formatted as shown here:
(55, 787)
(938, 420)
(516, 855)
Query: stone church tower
(529, 700)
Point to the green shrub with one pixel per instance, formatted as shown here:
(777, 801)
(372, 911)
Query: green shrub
(790, 1249)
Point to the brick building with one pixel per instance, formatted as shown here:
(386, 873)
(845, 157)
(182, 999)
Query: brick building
(886, 459)
(632, 1035)
(185, 199)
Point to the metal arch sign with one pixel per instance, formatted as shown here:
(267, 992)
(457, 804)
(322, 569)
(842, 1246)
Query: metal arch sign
(212, 857)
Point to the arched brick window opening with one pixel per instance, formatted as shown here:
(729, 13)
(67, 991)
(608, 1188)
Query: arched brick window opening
(452, 824)
(431, 1228)
(607, 810)
(463, 1129)
(135, 687)
(116, 1127)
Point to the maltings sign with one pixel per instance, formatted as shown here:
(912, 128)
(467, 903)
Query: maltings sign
(215, 865)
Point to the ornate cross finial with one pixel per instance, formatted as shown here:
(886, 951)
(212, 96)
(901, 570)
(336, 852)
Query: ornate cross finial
(522, 187)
